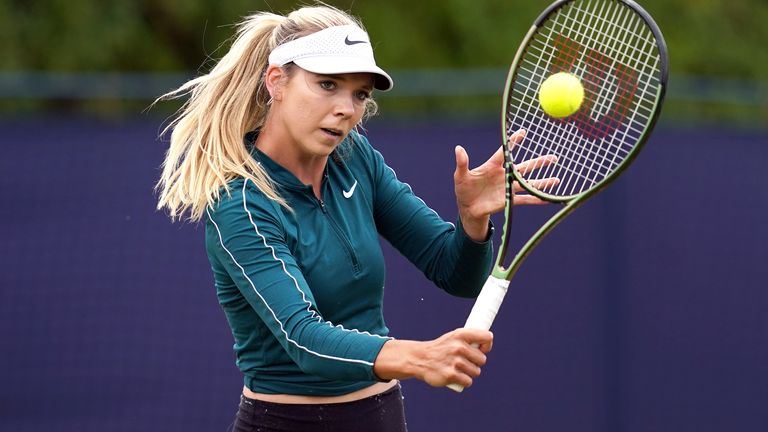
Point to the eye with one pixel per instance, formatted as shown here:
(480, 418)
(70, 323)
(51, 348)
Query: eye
(327, 85)
(363, 95)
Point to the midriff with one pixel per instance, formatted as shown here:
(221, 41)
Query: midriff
(363, 393)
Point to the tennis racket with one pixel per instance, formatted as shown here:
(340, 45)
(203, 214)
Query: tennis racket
(618, 52)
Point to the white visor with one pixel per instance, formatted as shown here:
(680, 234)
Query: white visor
(335, 50)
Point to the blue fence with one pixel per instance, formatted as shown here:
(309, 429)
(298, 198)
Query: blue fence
(644, 311)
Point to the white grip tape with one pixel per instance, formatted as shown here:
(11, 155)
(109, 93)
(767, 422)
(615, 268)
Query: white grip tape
(487, 304)
(485, 309)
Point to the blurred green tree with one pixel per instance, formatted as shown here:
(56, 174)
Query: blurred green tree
(706, 38)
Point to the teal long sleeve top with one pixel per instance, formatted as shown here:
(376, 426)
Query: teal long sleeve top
(302, 289)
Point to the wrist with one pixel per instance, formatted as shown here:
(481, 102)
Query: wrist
(477, 229)
(397, 360)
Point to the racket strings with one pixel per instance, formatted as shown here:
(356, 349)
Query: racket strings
(613, 104)
(564, 157)
(609, 46)
(590, 131)
(597, 62)
(601, 66)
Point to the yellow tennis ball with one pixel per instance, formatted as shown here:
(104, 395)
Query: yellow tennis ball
(561, 94)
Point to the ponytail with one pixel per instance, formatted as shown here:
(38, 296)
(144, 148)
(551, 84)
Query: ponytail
(206, 147)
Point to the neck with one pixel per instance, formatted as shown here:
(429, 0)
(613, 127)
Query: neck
(309, 169)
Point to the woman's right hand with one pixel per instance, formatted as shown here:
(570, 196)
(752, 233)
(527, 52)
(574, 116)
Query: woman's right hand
(453, 358)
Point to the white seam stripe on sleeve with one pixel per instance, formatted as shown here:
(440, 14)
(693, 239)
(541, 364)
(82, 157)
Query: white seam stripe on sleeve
(295, 282)
(272, 312)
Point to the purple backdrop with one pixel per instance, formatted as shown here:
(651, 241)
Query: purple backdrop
(644, 311)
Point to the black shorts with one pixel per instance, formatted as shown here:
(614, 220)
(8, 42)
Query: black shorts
(379, 413)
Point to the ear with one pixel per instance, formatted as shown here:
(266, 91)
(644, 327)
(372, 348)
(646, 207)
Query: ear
(273, 79)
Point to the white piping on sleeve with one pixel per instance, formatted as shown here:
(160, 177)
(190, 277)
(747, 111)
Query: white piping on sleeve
(296, 284)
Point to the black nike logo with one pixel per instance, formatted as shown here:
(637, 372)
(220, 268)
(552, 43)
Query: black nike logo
(349, 42)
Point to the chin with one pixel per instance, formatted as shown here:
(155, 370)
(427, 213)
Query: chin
(322, 149)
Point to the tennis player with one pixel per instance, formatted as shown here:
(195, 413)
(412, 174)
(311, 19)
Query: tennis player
(266, 151)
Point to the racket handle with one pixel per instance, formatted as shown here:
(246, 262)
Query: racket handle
(485, 309)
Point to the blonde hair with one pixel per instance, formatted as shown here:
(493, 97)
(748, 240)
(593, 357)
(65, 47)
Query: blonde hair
(206, 147)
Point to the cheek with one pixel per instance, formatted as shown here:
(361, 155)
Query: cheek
(360, 108)
(308, 114)
(301, 111)
(311, 105)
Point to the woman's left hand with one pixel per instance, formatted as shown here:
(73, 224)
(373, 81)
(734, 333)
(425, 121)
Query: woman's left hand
(480, 192)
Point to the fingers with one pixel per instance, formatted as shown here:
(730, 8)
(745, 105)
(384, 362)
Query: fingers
(530, 165)
(456, 357)
(516, 138)
(462, 371)
(525, 168)
(473, 336)
(497, 159)
(542, 184)
(528, 200)
(486, 347)
(466, 373)
(476, 343)
(465, 344)
(462, 160)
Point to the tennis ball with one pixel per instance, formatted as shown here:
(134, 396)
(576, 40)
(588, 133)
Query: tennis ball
(561, 94)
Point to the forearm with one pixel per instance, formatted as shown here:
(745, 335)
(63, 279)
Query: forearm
(453, 358)
(398, 359)
(332, 352)
(466, 261)
(455, 260)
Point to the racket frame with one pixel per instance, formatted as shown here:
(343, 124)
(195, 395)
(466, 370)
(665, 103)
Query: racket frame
(492, 294)
(573, 201)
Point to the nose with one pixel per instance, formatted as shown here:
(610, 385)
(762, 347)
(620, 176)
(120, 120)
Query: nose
(344, 106)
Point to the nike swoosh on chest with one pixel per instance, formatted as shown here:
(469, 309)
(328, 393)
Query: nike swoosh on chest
(348, 193)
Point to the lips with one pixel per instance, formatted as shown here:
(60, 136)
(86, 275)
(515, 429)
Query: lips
(334, 132)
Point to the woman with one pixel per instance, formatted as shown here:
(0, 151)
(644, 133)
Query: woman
(294, 200)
